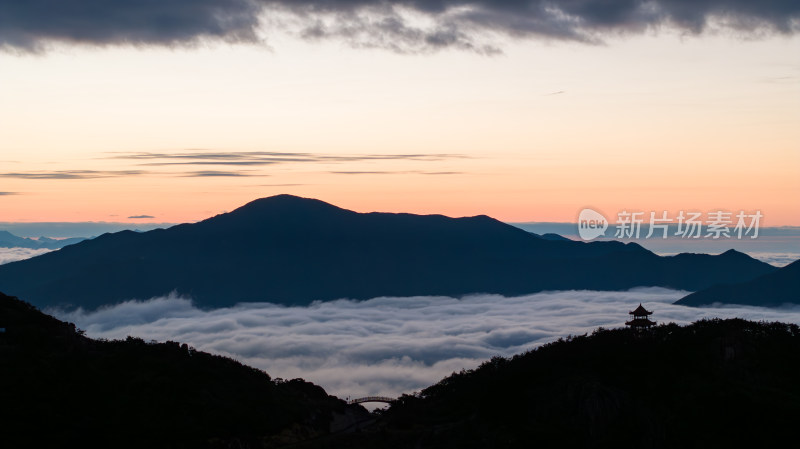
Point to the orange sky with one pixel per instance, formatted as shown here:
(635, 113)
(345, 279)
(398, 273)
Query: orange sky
(537, 134)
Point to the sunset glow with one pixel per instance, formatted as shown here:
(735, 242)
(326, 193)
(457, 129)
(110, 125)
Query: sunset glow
(664, 122)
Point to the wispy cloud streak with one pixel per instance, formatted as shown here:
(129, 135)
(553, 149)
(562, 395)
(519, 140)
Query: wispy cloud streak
(72, 174)
(236, 161)
(200, 157)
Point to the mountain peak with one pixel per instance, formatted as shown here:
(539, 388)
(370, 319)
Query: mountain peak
(279, 206)
(284, 200)
(772, 289)
(734, 254)
(731, 252)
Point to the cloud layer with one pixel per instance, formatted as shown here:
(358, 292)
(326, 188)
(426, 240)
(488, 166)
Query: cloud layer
(14, 254)
(389, 346)
(400, 25)
(72, 174)
(236, 164)
(260, 158)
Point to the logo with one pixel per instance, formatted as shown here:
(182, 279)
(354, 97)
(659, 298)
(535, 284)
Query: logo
(717, 224)
(591, 224)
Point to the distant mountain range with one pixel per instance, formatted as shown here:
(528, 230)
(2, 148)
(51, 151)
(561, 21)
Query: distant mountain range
(769, 290)
(9, 240)
(292, 250)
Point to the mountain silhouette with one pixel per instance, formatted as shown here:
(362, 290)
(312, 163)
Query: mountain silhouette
(770, 290)
(60, 388)
(718, 383)
(715, 383)
(9, 240)
(290, 250)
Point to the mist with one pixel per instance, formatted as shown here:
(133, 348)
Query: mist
(14, 254)
(388, 346)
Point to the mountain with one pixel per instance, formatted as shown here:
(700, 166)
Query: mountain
(9, 240)
(291, 250)
(719, 383)
(770, 290)
(552, 236)
(60, 388)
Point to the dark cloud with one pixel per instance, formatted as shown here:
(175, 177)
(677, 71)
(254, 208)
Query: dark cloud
(215, 174)
(73, 174)
(246, 158)
(97, 174)
(211, 159)
(141, 216)
(389, 346)
(27, 25)
(399, 25)
(9, 193)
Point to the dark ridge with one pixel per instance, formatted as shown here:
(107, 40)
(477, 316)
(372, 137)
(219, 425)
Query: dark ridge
(9, 240)
(730, 383)
(774, 289)
(553, 236)
(293, 251)
(717, 383)
(62, 389)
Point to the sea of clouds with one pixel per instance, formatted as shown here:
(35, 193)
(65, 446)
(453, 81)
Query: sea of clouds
(388, 346)
(14, 254)
(777, 259)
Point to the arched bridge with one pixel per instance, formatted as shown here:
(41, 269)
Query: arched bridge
(371, 399)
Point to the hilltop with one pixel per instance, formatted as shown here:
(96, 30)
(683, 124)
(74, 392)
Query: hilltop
(60, 388)
(773, 289)
(718, 383)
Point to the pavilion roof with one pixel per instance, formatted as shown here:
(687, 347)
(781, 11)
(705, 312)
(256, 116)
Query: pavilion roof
(640, 311)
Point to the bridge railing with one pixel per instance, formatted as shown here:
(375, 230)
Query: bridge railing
(385, 399)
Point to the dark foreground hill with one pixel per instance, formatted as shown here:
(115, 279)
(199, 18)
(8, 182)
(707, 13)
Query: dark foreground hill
(770, 290)
(712, 384)
(61, 389)
(292, 250)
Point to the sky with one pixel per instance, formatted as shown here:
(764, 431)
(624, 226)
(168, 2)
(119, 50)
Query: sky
(390, 346)
(150, 112)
